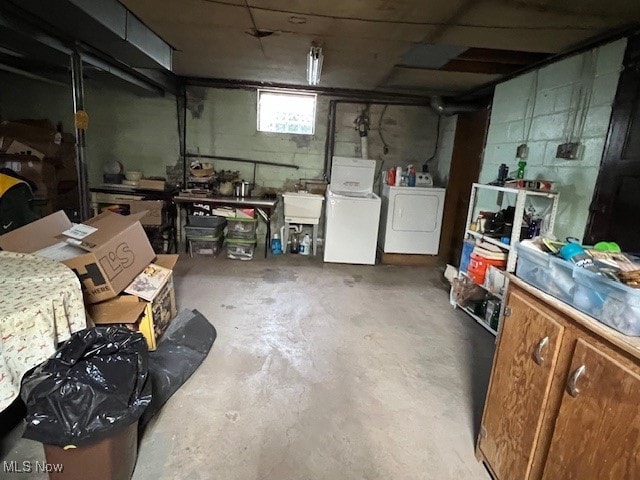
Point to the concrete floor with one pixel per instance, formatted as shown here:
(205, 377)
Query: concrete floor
(320, 372)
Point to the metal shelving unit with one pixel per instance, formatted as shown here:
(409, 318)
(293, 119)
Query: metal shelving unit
(521, 198)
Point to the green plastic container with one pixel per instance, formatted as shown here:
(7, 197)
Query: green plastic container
(241, 248)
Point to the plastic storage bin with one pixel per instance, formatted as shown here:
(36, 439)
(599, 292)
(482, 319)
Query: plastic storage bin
(242, 228)
(205, 246)
(609, 302)
(204, 232)
(241, 249)
(210, 221)
(561, 282)
(533, 267)
(465, 257)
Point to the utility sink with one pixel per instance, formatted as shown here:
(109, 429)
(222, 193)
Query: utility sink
(302, 205)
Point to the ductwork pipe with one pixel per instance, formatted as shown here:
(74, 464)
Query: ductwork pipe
(441, 107)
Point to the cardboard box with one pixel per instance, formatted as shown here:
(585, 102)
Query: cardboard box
(151, 318)
(150, 184)
(21, 148)
(106, 260)
(39, 171)
(245, 212)
(153, 209)
(38, 135)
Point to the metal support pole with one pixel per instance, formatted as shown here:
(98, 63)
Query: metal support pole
(81, 154)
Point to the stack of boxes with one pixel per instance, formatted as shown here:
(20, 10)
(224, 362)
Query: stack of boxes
(205, 234)
(241, 238)
(43, 154)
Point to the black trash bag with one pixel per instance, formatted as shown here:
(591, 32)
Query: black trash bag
(94, 384)
(183, 347)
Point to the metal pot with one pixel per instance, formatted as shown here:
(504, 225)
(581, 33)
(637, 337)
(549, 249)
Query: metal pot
(242, 189)
(226, 188)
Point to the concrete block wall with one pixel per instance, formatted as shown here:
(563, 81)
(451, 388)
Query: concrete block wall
(226, 125)
(140, 132)
(549, 96)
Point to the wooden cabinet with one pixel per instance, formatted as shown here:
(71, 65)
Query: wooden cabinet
(520, 381)
(564, 395)
(597, 431)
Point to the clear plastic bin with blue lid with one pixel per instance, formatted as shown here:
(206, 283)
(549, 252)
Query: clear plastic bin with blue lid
(601, 282)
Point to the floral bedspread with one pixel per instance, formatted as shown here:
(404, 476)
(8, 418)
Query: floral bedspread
(40, 306)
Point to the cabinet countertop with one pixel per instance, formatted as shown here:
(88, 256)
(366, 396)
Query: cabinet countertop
(631, 345)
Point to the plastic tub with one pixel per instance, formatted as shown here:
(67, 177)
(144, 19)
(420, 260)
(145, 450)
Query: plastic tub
(467, 247)
(208, 221)
(609, 302)
(533, 267)
(241, 249)
(478, 267)
(207, 232)
(205, 246)
(244, 227)
(561, 284)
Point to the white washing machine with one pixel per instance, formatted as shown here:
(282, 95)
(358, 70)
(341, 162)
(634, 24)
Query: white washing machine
(411, 220)
(352, 212)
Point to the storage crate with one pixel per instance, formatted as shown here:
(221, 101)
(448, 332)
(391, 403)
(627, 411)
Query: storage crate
(241, 249)
(242, 226)
(205, 247)
(208, 221)
(533, 267)
(609, 302)
(207, 232)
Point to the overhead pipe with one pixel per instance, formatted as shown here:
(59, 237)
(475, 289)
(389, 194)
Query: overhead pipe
(331, 125)
(364, 96)
(32, 76)
(447, 108)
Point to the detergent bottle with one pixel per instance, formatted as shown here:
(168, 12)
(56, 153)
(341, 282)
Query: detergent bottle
(276, 244)
(305, 245)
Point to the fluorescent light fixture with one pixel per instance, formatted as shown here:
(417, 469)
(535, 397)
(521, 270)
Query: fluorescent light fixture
(314, 65)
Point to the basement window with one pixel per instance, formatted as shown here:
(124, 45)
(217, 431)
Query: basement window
(281, 112)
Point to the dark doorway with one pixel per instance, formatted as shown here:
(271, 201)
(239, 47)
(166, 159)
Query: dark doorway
(615, 210)
(468, 146)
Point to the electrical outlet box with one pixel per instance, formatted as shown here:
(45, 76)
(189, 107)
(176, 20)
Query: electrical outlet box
(522, 151)
(568, 151)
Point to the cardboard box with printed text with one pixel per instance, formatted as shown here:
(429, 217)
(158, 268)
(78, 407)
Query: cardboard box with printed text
(106, 252)
(151, 318)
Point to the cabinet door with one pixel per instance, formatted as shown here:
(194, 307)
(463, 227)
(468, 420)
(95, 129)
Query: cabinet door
(521, 377)
(597, 432)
